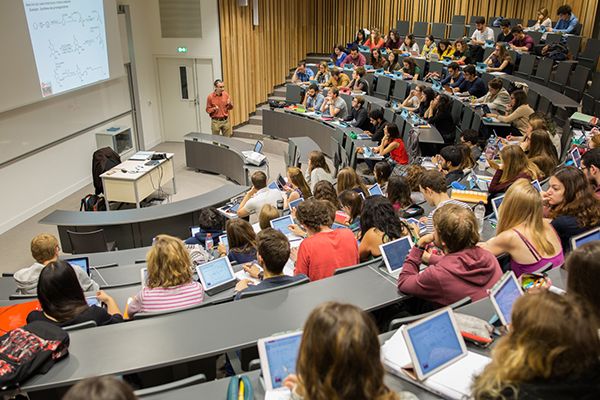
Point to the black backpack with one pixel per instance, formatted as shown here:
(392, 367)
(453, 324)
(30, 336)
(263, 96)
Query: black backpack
(29, 350)
(92, 202)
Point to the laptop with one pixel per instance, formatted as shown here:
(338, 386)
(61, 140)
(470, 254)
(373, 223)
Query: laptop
(504, 294)
(394, 253)
(375, 190)
(223, 239)
(257, 149)
(144, 277)
(437, 86)
(294, 204)
(81, 262)
(496, 202)
(576, 157)
(255, 157)
(216, 276)
(282, 224)
(481, 67)
(586, 237)
(536, 185)
(278, 355)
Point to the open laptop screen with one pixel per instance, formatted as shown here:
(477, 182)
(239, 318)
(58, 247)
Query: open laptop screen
(435, 342)
(215, 273)
(258, 146)
(282, 354)
(394, 253)
(586, 237)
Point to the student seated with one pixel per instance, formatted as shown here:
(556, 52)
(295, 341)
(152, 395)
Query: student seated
(210, 221)
(242, 242)
(505, 34)
(521, 42)
(334, 105)
(567, 21)
(393, 41)
(317, 169)
(428, 46)
(377, 59)
(426, 99)
(375, 40)
(338, 56)
(462, 53)
(392, 145)
(100, 388)
(515, 165)
(63, 302)
(542, 22)
(583, 265)
(409, 45)
(571, 204)
(354, 58)
(482, 33)
(348, 179)
(434, 189)
(470, 138)
(313, 99)
(352, 204)
(399, 194)
(550, 352)
(323, 75)
(410, 70)
(302, 73)
(325, 190)
(444, 49)
(332, 365)
(414, 172)
(358, 117)
(296, 188)
(472, 84)
(392, 64)
(170, 283)
(454, 78)
(414, 98)
(258, 195)
(380, 225)
(519, 112)
(273, 252)
(468, 162)
(590, 165)
(377, 125)
(360, 39)
(267, 213)
(499, 60)
(325, 249)
(463, 270)
(539, 120)
(338, 79)
(358, 82)
(45, 249)
(523, 233)
(497, 98)
(541, 152)
(439, 114)
(450, 161)
(382, 172)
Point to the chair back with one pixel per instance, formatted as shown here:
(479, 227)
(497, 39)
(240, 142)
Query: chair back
(182, 383)
(457, 31)
(245, 295)
(420, 29)
(145, 315)
(402, 27)
(375, 261)
(459, 20)
(438, 30)
(544, 69)
(82, 325)
(398, 322)
(87, 242)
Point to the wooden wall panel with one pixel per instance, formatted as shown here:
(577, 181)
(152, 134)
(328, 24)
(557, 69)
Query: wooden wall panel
(255, 59)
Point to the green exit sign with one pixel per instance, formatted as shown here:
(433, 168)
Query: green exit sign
(182, 49)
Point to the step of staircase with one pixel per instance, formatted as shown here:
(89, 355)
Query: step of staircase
(260, 109)
(249, 131)
(280, 91)
(255, 120)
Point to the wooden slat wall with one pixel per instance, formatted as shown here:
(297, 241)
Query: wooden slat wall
(344, 17)
(257, 58)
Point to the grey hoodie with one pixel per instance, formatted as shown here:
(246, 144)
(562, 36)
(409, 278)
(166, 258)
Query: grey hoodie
(27, 279)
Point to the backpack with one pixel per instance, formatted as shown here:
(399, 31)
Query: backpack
(412, 146)
(31, 349)
(15, 316)
(93, 202)
(557, 52)
(276, 104)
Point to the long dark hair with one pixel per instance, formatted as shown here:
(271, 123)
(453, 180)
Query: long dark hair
(324, 190)
(398, 191)
(317, 160)
(579, 198)
(377, 212)
(444, 104)
(59, 291)
(352, 200)
(240, 235)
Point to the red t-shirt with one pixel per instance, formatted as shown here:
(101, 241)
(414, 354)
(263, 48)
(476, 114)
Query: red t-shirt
(321, 254)
(399, 154)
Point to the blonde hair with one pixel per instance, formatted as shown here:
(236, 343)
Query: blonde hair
(169, 262)
(297, 178)
(553, 338)
(514, 162)
(267, 213)
(522, 204)
(43, 247)
(348, 179)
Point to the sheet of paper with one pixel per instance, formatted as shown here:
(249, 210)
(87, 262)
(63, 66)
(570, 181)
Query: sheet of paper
(456, 379)
(244, 275)
(281, 394)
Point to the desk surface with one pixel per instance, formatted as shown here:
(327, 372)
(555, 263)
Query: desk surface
(118, 217)
(135, 169)
(208, 331)
(556, 98)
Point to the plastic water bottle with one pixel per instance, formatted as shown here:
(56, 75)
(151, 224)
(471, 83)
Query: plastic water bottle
(479, 215)
(492, 147)
(208, 242)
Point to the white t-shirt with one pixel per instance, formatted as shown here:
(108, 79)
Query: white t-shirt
(262, 197)
(487, 34)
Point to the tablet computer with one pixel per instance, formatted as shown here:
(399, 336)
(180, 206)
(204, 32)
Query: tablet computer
(504, 294)
(223, 239)
(281, 182)
(278, 355)
(575, 156)
(434, 343)
(144, 277)
(194, 230)
(294, 203)
(486, 110)
(216, 276)
(496, 202)
(422, 226)
(93, 301)
(375, 190)
(81, 262)
(273, 186)
(282, 224)
(536, 185)
(394, 253)
(589, 236)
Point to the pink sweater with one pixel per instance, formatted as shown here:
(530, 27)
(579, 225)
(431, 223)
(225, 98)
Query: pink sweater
(451, 277)
(162, 299)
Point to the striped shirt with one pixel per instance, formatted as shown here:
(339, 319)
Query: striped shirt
(166, 298)
(429, 222)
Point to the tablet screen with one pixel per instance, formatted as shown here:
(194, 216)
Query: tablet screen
(223, 239)
(82, 263)
(496, 202)
(435, 342)
(215, 272)
(588, 237)
(92, 301)
(375, 190)
(194, 230)
(282, 224)
(281, 357)
(294, 204)
(395, 252)
(273, 186)
(506, 296)
(536, 185)
(576, 157)
(234, 208)
(258, 147)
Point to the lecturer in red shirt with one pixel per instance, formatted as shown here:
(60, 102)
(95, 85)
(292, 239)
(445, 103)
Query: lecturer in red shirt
(218, 104)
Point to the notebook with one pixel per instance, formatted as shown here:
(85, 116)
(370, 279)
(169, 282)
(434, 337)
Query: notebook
(394, 253)
(504, 294)
(375, 190)
(216, 276)
(81, 262)
(586, 237)
(278, 355)
(433, 354)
